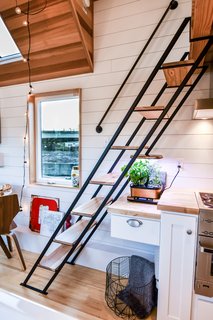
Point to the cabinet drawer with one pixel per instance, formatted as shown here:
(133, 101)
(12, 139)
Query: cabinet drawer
(135, 229)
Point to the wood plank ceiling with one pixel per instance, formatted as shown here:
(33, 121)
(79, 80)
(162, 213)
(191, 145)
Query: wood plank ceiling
(61, 40)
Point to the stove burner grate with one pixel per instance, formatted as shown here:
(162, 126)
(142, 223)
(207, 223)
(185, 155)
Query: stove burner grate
(207, 199)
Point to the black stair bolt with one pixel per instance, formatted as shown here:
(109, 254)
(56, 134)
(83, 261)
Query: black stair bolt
(173, 5)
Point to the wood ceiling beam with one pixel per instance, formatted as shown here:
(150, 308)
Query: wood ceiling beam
(87, 41)
(61, 70)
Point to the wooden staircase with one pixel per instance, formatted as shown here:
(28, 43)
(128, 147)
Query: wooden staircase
(179, 75)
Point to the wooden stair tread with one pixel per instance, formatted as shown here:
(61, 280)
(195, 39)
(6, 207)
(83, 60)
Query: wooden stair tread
(150, 156)
(89, 208)
(177, 64)
(151, 112)
(108, 179)
(127, 147)
(175, 72)
(69, 236)
(54, 259)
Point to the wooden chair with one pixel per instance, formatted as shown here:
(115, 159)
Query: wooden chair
(9, 207)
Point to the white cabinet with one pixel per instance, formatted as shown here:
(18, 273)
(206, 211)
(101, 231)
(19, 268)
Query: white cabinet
(135, 229)
(176, 269)
(202, 308)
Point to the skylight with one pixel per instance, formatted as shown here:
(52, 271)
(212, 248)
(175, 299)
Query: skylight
(9, 51)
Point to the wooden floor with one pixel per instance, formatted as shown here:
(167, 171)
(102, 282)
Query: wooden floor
(77, 291)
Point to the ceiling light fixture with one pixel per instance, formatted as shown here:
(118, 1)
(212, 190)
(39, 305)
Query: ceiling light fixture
(203, 109)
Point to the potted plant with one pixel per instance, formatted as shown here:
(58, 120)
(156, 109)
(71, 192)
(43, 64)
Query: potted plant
(146, 180)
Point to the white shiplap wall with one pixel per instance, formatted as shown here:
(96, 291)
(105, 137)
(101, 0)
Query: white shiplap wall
(122, 27)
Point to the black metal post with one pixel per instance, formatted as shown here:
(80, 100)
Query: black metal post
(173, 5)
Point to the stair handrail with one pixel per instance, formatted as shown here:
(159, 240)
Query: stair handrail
(172, 6)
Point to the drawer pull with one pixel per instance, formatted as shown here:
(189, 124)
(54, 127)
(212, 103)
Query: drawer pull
(189, 232)
(134, 223)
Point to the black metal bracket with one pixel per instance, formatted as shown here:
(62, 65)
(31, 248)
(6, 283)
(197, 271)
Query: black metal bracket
(33, 288)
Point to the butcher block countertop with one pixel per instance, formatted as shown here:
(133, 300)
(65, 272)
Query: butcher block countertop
(130, 208)
(182, 202)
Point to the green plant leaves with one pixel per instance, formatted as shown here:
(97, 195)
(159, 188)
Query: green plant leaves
(143, 173)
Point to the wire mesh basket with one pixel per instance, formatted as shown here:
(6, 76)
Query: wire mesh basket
(131, 287)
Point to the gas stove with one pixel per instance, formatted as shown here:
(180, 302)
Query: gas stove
(207, 199)
(204, 264)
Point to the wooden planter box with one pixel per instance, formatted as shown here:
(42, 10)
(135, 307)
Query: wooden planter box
(145, 192)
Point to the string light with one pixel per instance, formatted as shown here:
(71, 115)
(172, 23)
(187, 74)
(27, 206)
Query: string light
(29, 97)
(18, 10)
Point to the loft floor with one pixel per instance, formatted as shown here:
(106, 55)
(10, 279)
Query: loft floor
(77, 291)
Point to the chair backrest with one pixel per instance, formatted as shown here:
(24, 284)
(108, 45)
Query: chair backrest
(9, 207)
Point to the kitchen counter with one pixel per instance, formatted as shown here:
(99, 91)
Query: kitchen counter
(182, 202)
(130, 208)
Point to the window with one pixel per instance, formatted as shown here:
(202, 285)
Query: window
(56, 137)
(9, 52)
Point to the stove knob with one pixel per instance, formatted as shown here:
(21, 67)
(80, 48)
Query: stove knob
(189, 232)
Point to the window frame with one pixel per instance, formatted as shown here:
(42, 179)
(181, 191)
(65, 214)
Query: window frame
(13, 55)
(35, 133)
